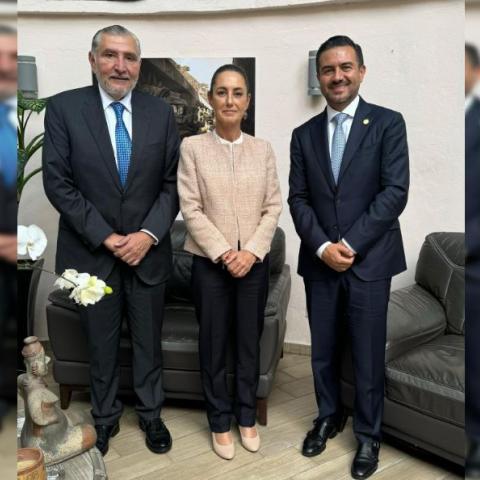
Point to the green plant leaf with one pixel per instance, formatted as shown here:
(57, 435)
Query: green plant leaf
(30, 104)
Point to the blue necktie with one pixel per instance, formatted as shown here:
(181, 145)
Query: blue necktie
(123, 142)
(8, 147)
(338, 144)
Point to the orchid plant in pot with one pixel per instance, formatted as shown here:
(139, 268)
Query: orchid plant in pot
(85, 289)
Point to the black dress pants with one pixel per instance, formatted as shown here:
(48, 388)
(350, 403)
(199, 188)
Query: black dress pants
(143, 305)
(341, 303)
(472, 356)
(229, 306)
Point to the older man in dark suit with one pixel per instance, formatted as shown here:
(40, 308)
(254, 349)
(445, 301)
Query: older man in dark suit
(349, 182)
(472, 293)
(109, 163)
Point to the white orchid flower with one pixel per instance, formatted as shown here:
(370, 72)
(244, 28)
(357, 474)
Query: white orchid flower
(31, 241)
(89, 290)
(68, 280)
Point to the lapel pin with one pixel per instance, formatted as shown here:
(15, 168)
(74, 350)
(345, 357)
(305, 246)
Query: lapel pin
(366, 121)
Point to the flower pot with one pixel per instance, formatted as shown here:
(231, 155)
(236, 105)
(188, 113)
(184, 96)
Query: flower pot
(30, 464)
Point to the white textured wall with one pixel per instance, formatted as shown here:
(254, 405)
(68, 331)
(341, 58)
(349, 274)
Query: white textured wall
(472, 22)
(472, 27)
(414, 58)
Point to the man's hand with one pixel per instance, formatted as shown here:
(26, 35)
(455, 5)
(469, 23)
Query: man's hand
(133, 247)
(240, 263)
(112, 240)
(338, 257)
(8, 247)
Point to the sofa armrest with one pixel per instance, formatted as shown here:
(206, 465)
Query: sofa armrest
(414, 317)
(271, 343)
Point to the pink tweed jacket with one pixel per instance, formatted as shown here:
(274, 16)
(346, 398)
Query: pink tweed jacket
(228, 204)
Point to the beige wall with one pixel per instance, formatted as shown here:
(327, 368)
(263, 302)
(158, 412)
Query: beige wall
(414, 56)
(472, 22)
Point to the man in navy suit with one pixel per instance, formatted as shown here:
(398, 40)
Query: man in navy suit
(349, 181)
(109, 168)
(472, 292)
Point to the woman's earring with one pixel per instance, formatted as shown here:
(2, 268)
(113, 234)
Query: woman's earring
(245, 115)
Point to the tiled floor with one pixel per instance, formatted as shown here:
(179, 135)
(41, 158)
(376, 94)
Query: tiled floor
(291, 411)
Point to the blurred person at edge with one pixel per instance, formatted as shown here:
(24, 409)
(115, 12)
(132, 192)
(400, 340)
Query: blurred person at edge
(8, 209)
(472, 292)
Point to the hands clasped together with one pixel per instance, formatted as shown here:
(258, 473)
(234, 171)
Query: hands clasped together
(238, 263)
(338, 256)
(130, 248)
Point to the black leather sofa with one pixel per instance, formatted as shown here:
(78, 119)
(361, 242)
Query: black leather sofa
(425, 376)
(179, 334)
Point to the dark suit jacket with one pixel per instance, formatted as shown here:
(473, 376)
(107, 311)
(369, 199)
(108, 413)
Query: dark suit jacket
(364, 207)
(472, 179)
(472, 271)
(81, 180)
(8, 208)
(8, 298)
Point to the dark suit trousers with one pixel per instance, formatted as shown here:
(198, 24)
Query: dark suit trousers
(334, 303)
(143, 305)
(472, 357)
(227, 305)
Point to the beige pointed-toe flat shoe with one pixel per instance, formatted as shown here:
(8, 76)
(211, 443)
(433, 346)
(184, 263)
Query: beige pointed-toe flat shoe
(252, 444)
(224, 451)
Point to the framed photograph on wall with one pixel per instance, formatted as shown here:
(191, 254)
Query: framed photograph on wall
(184, 84)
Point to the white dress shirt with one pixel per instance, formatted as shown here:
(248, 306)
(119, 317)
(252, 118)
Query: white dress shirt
(346, 126)
(111, 119)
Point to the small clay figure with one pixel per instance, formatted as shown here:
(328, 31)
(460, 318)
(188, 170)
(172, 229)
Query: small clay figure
(46, 426)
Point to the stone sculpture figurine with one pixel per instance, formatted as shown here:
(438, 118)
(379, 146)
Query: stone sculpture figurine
(46, 426)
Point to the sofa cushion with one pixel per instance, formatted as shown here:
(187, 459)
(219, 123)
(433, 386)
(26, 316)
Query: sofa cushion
(179, 330)
(431, 379)
(415, 316)
(441, 271)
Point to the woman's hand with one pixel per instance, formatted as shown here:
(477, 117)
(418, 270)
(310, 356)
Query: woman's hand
(240, 263)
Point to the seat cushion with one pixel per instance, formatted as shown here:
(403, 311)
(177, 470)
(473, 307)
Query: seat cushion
(431, 379)
(415, 317)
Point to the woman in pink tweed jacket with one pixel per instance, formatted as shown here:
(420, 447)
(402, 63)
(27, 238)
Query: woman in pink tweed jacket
(230, 200)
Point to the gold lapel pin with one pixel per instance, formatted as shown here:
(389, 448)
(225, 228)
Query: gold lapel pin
(366, 121)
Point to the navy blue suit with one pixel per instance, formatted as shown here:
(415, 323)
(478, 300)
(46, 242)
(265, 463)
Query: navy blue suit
(363, 207)
(472, 293)
(81, 180)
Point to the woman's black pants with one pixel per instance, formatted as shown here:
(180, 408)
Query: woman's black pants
(228, 306)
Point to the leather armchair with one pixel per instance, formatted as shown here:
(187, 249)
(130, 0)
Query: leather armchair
(179, 334)
(424, 370)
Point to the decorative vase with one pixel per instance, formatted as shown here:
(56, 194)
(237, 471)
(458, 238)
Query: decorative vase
(30, 464)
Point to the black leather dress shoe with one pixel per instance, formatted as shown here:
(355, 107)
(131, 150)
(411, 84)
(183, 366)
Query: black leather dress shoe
(104, 433)
(157, 436)
(472, 463)
(316, 439)
(366, 460)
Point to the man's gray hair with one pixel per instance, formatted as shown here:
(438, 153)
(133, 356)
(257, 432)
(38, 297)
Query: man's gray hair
(113, 30)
